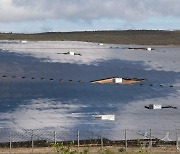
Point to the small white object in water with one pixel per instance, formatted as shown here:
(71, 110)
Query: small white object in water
(101, 44)
(155, 106)
(149, 49)
(105, 117)
(117, 80)
(23, 41)
(71, 53)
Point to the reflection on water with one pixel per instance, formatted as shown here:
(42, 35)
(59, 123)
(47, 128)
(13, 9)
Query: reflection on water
(36, 94)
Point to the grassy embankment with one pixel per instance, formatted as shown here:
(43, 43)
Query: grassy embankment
(144, 37)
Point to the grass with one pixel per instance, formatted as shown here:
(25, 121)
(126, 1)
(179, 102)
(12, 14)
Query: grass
(92, 150)
(143, 37)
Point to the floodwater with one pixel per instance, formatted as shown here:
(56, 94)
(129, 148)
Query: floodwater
(42, 89)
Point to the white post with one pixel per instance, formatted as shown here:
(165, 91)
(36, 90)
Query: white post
(78, 138)
(10, 142)
(54, 137)
(32, 143)
(101, 143)
(177, 140)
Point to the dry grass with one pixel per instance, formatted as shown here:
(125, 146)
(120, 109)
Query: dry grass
(96, 150)
(144, 37)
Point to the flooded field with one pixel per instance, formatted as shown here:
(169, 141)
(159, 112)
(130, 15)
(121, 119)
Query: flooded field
(47, 85)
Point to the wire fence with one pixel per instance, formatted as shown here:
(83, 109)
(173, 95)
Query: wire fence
(126, 139)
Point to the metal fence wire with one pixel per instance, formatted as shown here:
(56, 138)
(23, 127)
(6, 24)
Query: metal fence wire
(81, 138)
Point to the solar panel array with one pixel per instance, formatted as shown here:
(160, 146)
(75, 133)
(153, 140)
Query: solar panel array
(43, 89)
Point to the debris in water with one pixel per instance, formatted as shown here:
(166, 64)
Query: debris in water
(159, 106)
(70, 53)
(135, 48)
(105, 117)
(118, 80)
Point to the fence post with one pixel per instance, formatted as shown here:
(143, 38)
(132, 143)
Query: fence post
(101, 143)
(177, 140)
(125, 140)
(150, 137)
(78, 138)
(10, 142)
(32, 140)
(54, 137)
(92, 135)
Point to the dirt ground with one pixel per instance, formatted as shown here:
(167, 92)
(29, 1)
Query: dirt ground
(95, 150)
